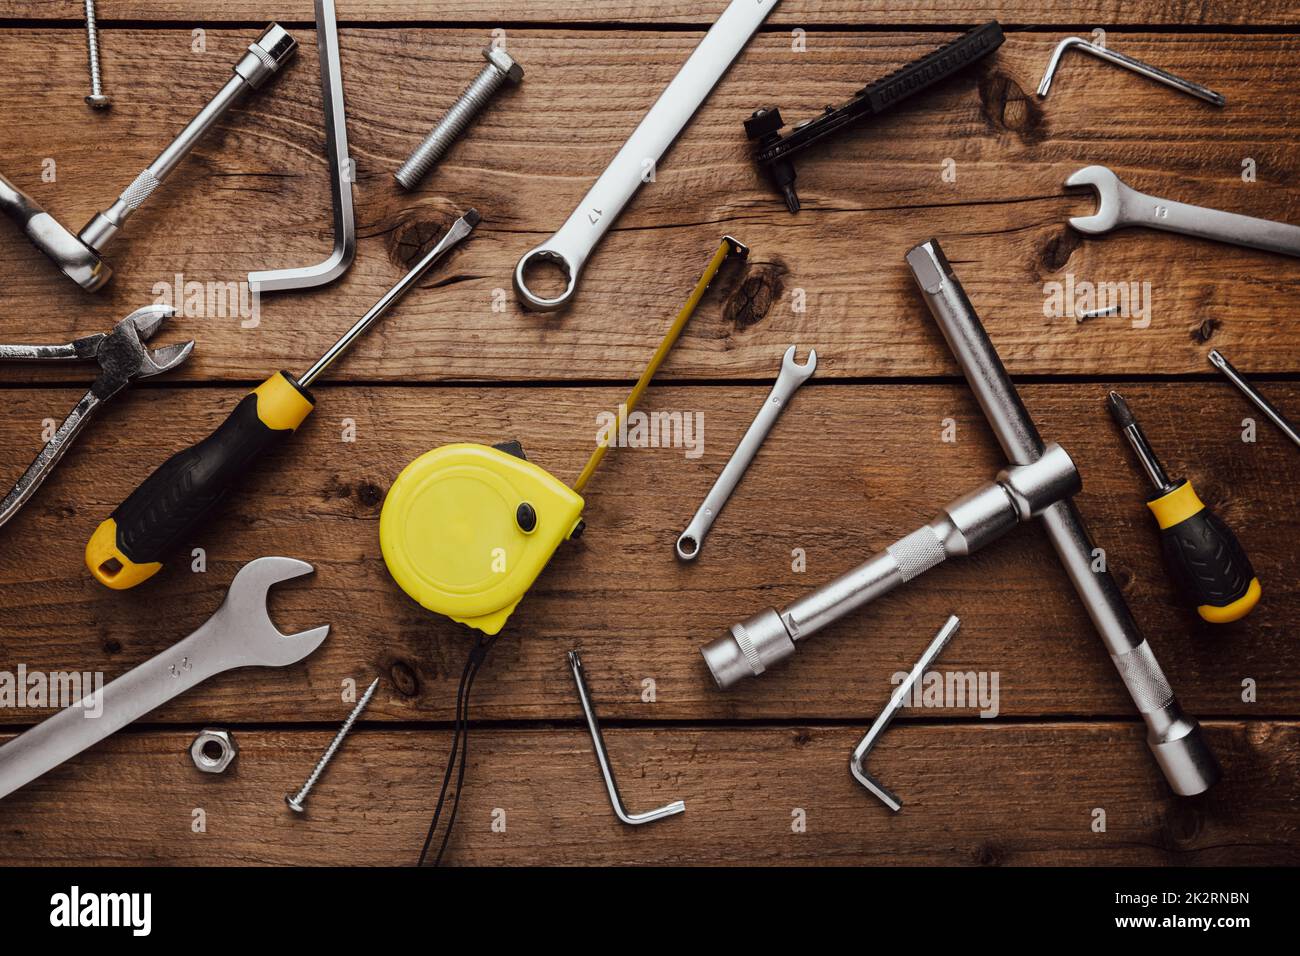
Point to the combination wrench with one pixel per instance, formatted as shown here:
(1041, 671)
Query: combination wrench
(1119, 205)
(635, 162)
(792, 376)
(239, 634)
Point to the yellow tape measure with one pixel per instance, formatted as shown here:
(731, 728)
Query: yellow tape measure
(467, 528)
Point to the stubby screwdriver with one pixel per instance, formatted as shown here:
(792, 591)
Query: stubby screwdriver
(128, 548)
(1206, 558)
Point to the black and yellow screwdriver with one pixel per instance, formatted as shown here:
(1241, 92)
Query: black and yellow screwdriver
(159, 516)
(1206, 558)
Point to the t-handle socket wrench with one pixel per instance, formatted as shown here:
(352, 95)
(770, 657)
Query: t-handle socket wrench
(1174, 737)
(787, 383)
(570, 247)
(80, 256)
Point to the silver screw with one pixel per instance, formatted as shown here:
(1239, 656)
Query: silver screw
(500, 68)
(296, 800)
(96, 99)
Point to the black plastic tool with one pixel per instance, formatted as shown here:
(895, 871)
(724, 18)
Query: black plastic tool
(773, 152)
(1208, 561)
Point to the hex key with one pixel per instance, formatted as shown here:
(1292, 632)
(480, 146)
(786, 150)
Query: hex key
(342, 172)
(602, 758)
(887, 715)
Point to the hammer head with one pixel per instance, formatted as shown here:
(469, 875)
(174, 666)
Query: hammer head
(249, 635)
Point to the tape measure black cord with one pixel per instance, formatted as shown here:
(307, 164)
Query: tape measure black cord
(459, 747)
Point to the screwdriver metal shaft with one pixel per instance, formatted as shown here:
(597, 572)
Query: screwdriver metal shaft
(1258, 400)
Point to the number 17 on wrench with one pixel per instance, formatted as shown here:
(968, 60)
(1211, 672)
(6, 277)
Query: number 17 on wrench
(577, 238)
(792, 376)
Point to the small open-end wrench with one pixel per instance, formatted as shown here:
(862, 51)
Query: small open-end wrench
(634, 164)
(239, 634)
(1119, 205)
(792, 376)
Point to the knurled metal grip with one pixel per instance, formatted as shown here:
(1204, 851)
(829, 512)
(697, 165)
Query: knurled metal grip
(965, 525)
(139, 190)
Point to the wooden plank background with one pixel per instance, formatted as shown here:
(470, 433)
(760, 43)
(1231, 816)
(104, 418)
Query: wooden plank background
(858, 461)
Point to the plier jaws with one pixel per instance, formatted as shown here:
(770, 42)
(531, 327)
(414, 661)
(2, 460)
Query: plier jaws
(122, 357)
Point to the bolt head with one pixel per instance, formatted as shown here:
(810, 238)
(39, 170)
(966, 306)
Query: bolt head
(98, 102)
(504, 64)
(294, 805)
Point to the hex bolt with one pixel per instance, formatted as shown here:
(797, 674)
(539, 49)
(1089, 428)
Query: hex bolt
(501, 67)
(96, 99)
(297, 800)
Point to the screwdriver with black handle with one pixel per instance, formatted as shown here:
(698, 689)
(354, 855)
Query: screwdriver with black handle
(1206, 558)
(129, 547)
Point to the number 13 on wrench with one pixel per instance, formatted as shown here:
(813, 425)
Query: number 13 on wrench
(576, 239)
(792, 376)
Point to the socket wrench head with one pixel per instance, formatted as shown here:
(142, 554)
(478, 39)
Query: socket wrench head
(750, 649)
(272, 50)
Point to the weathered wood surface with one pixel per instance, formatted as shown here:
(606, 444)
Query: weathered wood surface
(255, 195)
(791, 13)
(973, 795)
(848, 469)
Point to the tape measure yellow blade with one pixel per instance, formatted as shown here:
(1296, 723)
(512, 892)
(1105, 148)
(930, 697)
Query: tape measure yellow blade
(730, 246)
(466, 529)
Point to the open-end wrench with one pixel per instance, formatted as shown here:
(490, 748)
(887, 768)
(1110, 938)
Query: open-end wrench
(635, 162)
(239, 634)
(792, 376)
(1118, 205)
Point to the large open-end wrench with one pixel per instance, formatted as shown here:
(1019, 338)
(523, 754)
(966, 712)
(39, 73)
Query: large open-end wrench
(792, 376)
(635, 162)
(239, 634)
(1119, 205)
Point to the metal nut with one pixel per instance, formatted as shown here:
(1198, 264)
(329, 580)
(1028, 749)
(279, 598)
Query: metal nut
(214, 750)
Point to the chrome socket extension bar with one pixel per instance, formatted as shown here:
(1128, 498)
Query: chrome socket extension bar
(632, 165)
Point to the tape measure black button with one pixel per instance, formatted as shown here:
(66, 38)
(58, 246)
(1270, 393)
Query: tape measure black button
(526, 517)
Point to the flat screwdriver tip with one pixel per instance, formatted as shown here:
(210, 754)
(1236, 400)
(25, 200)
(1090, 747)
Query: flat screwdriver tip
(472, 217)
(1120, 410)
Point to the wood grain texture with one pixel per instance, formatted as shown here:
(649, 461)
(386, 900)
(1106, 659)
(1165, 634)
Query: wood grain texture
(792, 12)
(848, 470)
(255, 195)
(974, 795)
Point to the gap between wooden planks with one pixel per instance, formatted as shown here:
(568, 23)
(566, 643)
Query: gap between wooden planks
(848, 469)
(255, 195)
(972, 794)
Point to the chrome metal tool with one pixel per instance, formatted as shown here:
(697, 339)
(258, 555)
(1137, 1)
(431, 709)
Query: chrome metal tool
(342, 171)
(1174, 737)
(1254, 395)
(602, 757)
(239, 634)
(1119, 206)
(632, 165)
(122, 358)
(787, 383)
(857, 763)
(1128, 63)
(80, 255)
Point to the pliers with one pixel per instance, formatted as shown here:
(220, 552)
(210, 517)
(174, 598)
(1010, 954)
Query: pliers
(122, 358)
